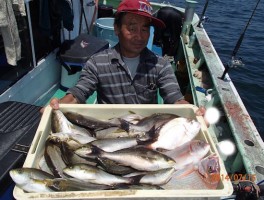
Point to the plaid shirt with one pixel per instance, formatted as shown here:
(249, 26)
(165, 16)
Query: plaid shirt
(106, 73)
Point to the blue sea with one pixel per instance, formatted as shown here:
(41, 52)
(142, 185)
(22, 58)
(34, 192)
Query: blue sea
(227, 21)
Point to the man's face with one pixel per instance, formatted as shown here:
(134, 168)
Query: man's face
(133, 34)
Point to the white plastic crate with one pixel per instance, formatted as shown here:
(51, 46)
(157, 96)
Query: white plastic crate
(105, 112)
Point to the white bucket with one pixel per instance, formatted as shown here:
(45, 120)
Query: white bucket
(105, 30)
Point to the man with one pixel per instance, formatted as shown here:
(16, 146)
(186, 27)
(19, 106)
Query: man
(128, 73)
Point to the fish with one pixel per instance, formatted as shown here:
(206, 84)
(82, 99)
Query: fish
(209, 169)
(54, 159)
(21, 176)
(60, 137)
(174, 133)
(69, 184)
(87, 121)
(95, 175)
(115, 144)
(67, 147)
(35, 185)
(71, 158)
(140, 187)
(113, 168)
(139, 158)
(61, 125)
(190, 152)
(146, 123)
(113, 132)
(202, 175)
(42, 164)
(159, 177)
(132, 118)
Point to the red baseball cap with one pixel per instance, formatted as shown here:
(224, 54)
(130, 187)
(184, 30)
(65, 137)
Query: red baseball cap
(139, 7)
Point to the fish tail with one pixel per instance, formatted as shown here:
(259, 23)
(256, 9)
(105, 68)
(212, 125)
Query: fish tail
(125, 125)
(136, 179)
(96, 151)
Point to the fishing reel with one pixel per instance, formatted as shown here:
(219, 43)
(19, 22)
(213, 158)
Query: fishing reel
(247, 190)
(205, 19)
(234, 62)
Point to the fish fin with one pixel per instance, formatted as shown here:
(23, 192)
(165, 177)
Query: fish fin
(154, 132)
(153, 135)
(150, 137)
(136, 179)
(181, 173)
(125, 125)
(96, 150)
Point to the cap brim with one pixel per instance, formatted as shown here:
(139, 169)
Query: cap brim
(156, 22)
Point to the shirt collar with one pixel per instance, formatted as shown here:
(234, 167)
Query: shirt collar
(145, 56)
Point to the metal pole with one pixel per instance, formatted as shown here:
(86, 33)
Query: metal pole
(202, 15)
(31, 33)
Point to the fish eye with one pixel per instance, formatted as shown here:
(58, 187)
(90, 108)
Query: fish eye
(210, 169)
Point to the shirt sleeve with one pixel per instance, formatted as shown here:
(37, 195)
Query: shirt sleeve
(87, 82)
(168, 85)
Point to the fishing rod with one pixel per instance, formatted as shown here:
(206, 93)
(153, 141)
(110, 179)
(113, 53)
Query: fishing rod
(202, 18)
(238, 62)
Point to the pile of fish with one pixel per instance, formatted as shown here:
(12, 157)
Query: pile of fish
(127, 152)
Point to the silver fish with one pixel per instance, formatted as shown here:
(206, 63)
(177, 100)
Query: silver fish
(67, 148)
(139, 158)
(71, 158)
(113, 132)
(54, 160)
(113, 167)
(61, 125)
(146, 123)
(159, 177)
(175, 132)
(132, 118)
(189, 153)
(35, 185)
(114, 144)
(88, 122)
(43, 165)
(69, 184)
(80, 137)
(21, 176)
(95, 175)
(140, 187)
(61, 137)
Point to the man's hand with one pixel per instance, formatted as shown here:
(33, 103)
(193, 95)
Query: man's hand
(201, 112)
(54, 102)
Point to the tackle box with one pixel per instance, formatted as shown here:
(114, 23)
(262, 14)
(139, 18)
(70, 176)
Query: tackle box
(105, 112)
(73, 55)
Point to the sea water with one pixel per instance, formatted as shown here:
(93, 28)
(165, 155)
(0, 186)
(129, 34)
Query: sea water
(227, 20)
